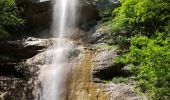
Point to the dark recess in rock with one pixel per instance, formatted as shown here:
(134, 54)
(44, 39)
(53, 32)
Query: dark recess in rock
(105, 69)
(10, 70)
(110, 72)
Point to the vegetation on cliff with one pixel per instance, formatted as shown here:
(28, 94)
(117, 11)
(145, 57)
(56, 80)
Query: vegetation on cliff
(10, 19)
(143, 28)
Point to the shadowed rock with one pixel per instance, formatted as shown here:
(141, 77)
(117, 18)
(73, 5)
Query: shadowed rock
(103, 66)
(14, 73)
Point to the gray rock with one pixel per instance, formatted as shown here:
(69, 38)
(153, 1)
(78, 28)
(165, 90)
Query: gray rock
(14, 71)
(121, 92)
(103, 65)
(98, 37)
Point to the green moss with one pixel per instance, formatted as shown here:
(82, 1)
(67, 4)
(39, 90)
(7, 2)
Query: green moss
(117, 80)
(120, 79)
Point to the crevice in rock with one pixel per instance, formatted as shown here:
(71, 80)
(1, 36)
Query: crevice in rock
(10, 70)
(103, 75)
(110, 72)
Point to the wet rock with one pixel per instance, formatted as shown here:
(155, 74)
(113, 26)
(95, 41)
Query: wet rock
(7, 84)
(14, 53)
(25, 48)
(29, 67)
(14, 68)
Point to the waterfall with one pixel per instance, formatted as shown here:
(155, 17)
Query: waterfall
(53, 74)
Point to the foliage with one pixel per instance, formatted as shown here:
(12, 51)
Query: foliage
(151, 64)
(108, 47)
(144, 27)
(9, 13)
(117, 80)
(9, 16)
(3, 33)
(105, 8)
(105, 12)
(120, 79)
(144, 16)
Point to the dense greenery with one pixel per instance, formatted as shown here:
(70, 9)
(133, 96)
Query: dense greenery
(151, 64)
(144, 27)
(140, 16)
(10, 20)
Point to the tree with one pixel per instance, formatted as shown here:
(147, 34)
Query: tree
(145, 16)
(146, 23)
(9, 17)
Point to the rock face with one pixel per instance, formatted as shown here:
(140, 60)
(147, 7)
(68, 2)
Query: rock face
(14, 72)
(80, 86)
(104, 67)
(39, 14)
(98, 35)
(87, 12)
(121, 91)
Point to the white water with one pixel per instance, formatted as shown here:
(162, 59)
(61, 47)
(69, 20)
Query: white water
(53, 74)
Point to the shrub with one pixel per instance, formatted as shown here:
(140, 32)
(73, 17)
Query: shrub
(144, 16)
(10, 20)
(3, 33)
(151, 60)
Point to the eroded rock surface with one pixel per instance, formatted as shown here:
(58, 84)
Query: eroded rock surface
(104, 67)
(14, 69)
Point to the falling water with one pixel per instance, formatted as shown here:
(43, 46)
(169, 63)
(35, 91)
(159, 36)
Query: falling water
(53, 74)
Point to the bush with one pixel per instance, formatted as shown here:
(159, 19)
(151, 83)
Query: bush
(10, 20)
(151, 60)
(9, 13)
(144, 16)
(3, 33)
(146, 23)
